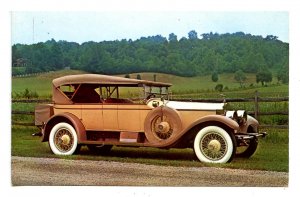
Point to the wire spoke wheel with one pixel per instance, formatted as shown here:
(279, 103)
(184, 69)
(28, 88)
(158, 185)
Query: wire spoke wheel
(213, 144)
(162, 127)
(63, 139)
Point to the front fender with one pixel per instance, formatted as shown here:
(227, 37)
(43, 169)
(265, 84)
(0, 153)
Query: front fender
(65, 117)
(250, 122)
(217, 119)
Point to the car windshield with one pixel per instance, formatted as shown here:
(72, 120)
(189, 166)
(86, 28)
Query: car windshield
(156, 92)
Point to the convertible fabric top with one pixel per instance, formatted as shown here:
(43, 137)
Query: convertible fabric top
(105, 80)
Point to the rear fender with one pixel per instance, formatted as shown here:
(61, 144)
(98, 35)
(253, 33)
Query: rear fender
(65, 117)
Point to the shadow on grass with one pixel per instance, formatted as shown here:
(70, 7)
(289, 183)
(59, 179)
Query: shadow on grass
(145, 153)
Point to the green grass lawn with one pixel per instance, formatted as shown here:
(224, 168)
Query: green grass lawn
(272, 153)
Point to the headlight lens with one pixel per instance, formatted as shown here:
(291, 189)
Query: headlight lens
(231, 114)
(240, 116)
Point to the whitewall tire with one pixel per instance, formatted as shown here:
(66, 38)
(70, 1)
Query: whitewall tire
(63, 139)
(213, 144)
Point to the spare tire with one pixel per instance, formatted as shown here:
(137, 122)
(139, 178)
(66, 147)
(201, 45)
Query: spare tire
(162, 125)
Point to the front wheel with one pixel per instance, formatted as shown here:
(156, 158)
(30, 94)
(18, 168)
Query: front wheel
(63, 139)
(213, 144)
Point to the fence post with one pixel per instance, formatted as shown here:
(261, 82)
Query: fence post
(256, 105)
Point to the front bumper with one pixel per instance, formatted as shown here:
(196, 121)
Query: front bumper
(249, 136)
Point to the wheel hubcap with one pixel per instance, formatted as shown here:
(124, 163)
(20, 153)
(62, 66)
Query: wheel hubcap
(162, 127)
(213, 146)
(63, 140)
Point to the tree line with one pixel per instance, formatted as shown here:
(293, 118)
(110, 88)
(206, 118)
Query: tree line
(188, 56)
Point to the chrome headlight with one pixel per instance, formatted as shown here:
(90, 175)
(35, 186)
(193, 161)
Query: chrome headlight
(240, 116)
(231, 114)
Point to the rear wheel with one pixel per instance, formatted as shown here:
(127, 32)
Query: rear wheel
(63, 139)
(213, 144)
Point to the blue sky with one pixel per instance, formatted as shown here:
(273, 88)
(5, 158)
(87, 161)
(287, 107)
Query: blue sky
(29, 27)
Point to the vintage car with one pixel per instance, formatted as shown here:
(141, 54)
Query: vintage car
(101, 111)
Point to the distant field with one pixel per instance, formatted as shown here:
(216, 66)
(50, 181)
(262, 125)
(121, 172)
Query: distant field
(200, 86)
(42, 84)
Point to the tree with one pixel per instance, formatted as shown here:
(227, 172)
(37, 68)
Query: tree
(188, 56)
(283, 76)
(215, 77)
(240, 77)
(138, 77)
(127, 76)
(172, 37)
(56, 56)
(271, 37)
(254, 61)
(263, 76)
(193, 35)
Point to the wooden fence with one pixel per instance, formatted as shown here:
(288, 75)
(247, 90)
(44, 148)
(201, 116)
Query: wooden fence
(255, 100)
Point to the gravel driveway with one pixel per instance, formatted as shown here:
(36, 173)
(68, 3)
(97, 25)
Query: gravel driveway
(49, 171)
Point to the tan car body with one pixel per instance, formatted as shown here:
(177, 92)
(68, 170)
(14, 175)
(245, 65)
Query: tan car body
(108, 120)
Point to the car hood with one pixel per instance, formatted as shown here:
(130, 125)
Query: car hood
(194, 105)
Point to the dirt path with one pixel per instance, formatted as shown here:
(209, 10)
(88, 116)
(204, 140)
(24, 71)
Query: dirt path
(46, 171)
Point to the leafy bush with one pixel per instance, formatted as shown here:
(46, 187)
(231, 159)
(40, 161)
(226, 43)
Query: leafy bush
(18, 71)
(215, 77)
(28, 94)
(219, 87)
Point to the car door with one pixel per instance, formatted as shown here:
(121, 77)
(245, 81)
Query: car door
(129, 117)
(92, 116)
(110, 117)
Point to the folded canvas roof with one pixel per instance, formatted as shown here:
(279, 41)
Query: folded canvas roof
(105, 80)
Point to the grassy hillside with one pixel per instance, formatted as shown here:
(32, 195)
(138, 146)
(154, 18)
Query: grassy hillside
(42, 84)
(200, 86)
(203, 86)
